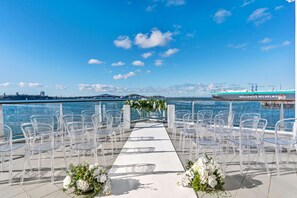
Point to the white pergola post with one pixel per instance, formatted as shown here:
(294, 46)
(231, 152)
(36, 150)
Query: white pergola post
(170, 115)
(126, 116)
(230, 114)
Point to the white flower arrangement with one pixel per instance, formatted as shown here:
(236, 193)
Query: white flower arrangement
(203, 175)
(91, 180)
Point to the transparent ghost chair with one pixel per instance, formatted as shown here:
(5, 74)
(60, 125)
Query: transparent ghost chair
(209, 140)
(190, 128)
(87, 118)
(249, 139)
(207, 115)
(41, 139)
(59, 116)
(7, 147)
(106, 131)
(178, 122)
(82, 140)
(285, 136)
(117, 121)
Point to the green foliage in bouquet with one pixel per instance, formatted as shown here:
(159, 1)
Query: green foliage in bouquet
(148, 105)
(205, 174)
(89, 180)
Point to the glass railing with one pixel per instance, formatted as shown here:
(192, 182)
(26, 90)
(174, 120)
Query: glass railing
(17, 112)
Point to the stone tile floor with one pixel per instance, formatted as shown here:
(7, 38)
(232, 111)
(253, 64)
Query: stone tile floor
(254, 183)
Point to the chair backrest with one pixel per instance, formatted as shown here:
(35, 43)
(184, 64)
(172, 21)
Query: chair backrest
(288, 126)
(6, 136)
(87, 115)
(42, 119)
(227, 117)
(116, 116)
(108, 120)
(262, 124)
(207, 115)
(246, 116)
(72, 118)
(179, 114)
(78, 133)
(248, 128)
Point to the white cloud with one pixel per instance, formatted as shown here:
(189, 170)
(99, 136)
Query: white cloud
(265, 40)
(35, 85)
(123, 42)
(238, 46)
(97, 87)
(158, 62)
(286, 43)
(260, 16)
(124, 76)
(175, 2)
(60, 87)
(119, 63)
(157, 38)
(170, 52)
(95, 62)
(31, 85)
(151, 8)
(270, 47)
(147, 54)
(277, 8)
(221, 15)
(245, 3)
(148, 71)
(22, 84)
(138, 63)
(5, 84)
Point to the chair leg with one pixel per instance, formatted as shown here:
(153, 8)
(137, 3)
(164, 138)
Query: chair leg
(39, 164)
(277, 158)
(241, 161)
(10, 167)
(27, 157)
(191, 150)
(52, 166)
(262, 150)
(2, 161)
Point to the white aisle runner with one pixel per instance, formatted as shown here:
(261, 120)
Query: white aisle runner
(148, 166)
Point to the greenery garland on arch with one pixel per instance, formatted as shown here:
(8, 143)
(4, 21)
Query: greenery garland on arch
(148, 105)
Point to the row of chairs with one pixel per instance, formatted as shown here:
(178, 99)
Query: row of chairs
(219, 134)
(73, 133)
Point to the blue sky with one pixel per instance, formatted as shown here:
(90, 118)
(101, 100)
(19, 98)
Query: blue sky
(164, 47)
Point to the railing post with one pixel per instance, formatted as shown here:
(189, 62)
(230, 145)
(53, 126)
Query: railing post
(282, 115)
(1, 120)
(126, 116)
(61, 117)
(230, 116)
(98, 111)
(170, 116)
(193, 110)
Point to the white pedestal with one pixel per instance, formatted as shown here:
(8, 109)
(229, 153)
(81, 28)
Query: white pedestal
(170, 115)
(126, 116)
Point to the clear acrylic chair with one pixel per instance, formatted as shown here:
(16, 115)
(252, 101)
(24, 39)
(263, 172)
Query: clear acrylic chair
(285, 137)
(248, 139)
(7, 147)
(178, 122)
(117, 121)
(207, 116)
(87, 118)
(105, 131)
(190, 128)
(82, 140)
(41, 139)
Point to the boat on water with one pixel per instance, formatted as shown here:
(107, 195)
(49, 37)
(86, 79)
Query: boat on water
(245, 95)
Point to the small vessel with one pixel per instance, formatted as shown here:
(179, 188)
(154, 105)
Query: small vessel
(245, 95)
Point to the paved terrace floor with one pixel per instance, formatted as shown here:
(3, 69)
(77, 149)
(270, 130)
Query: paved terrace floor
(146, 165)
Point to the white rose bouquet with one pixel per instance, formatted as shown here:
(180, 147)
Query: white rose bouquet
(203, 175)
(85, 179)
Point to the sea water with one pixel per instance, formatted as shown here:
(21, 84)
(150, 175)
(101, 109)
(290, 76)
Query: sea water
(15, 115)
